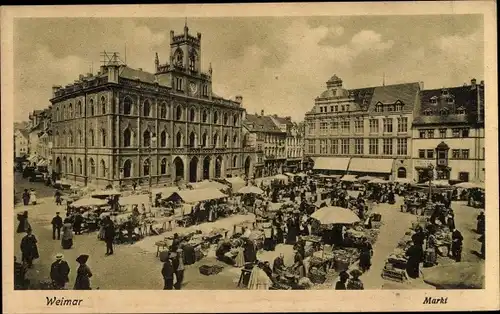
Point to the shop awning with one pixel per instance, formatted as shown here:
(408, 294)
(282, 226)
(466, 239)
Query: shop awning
(198, 195)
(134, 200)
(43, 163)
(371, 165)
(165, 191)
(206, 184)
(349, 178)
(331, 163)
(236, 183)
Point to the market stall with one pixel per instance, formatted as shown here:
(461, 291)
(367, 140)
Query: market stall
(206, 184)
(236, 183)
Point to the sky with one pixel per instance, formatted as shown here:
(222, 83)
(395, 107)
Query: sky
(278, 64)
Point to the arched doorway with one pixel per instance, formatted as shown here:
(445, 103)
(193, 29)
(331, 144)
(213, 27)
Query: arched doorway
(58, 165)
(179, 168)
(127, 168)
(193, 169)
(206, 168)
(247, 166)
(218, 167)
(402, 172)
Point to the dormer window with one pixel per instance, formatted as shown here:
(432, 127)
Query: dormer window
(427, 112)
(450, 100)
(444, 92)
(379, 108)
(434, 100)
(461, 110)
(334, 92)
(443, 112)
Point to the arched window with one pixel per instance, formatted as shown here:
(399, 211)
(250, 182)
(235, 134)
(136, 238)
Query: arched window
(71, 139)
(91, 137)
(103, 138)
(145, 167)
(163, 166)
(79, 166)
(216, 140)
(102, 168)
(402, 172)
(127, 135)
(192, 115)
(192, 139)
(163, 110)
(163, 139)
(127, 168)
(204, 118)
(178, 113)
(146, 109)
(65, 139)
(235, 161)
(103, 105)
(80, 138)
(226, 119)
(236, 118)
(57, 139)
(178, 139)
(58, 115)
(92, 111)
(79, 109)
(70, 109)
(216, 117)
(70, 165)
(127, 106)
(226, 140)
(235, 140)
(204, 140)
(92, 166)
(64, 112)
(146, 138)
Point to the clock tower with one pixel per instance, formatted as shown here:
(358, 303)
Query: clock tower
(183, 72)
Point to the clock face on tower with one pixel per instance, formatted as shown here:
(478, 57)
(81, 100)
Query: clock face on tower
(193, 88)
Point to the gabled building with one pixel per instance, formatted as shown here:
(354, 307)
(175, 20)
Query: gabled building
(21, 143)
(294, 143)
(365, 131)
(448, 133)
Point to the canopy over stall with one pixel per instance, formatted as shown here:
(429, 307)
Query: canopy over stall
(335, 215)
(470, 185)
(349, 178)
(281, 177)
(165, 191)
(43, 163)
(366, 178)
(378, 181)
(441, 183)
(88, 201)
(194, 196)
(363, 165)
(206, 184)
(105, 193)
(134, 199)
(250, 189)
(404, 180)
(331, 163)
(236, 182)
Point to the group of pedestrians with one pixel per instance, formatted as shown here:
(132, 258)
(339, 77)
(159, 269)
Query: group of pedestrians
(59, 273)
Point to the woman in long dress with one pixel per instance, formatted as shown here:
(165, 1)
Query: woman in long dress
(29, 248)
(24, 225)
(259, 280)
(67, 235)
(239, 261)
(83, 274)
(32, 197)
(26, 197)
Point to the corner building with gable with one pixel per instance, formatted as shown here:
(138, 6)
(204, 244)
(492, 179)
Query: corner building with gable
(125, 124)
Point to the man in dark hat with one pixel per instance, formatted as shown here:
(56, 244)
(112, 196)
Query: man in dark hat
(57, 224)
(59, 272)
(168, 274)
(341, 284)
(109, 235)
(29, 248)
(456, 245)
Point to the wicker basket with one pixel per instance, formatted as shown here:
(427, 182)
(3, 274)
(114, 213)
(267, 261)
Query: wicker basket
(208, 270)
(317, 276)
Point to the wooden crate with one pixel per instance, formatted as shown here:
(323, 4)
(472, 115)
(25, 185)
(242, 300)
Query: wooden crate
(394, 274)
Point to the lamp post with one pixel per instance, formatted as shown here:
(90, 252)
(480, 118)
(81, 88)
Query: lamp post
(431, 176)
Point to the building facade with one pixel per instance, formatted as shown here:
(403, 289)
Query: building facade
(294, 143)
(21, 143)
(363, 131)
(40, 136)
(448, 134)
(125, 124)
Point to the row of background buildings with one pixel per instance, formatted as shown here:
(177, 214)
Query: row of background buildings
(125, 124)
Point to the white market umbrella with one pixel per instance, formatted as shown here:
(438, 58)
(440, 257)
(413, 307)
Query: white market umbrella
(469, 185)
(88, 201)
(378, 181)
(366, 178)
(250, 189)
(404, 180)
(105, 193)
(281, 177)
(335, 215)
(442, 183)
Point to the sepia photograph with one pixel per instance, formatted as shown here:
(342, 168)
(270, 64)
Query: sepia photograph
(168, 149)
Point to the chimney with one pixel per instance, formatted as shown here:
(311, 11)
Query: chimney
(239, 99)
(473, 83)
(482, 84)
(55, 89)
(262, 112)
(421, 85)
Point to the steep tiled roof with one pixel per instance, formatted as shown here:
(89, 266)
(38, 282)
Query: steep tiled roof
(407, 93)
(24, 133)
(134, 74)
(260, 123)
(464, 97)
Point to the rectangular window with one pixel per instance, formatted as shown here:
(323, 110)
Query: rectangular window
(345, 147)
(421, 153)
(455, 132)
(402, 125)
(323, 127)
(387, 125)
(334, 127)
(430, 154)
(373, 146)
(465, 132)
(345, 126)
(455, 154)
(430, 133)
(358, 126)
(465, 154)
(334, 148)
(421, 133)
(358, 146)
(387, 146)
(374, 126)
(322, 147)
(442, 133)
(402, 146)
(320, 109)
(336, 108)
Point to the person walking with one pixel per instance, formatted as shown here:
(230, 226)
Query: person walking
(20, 281)
(58, 197)
(24, 225)
(109, 235)
(481, 222)
(83, 274)
(365, 258)
(179, 269)
(32, 197)
(59, 272)
(168, 274)
(456, 245)
(67, 234)
(29, 248)
(26, 197)
(57, 224)
(77, 223)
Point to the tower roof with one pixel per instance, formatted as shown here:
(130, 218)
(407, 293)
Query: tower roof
(334, 79)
